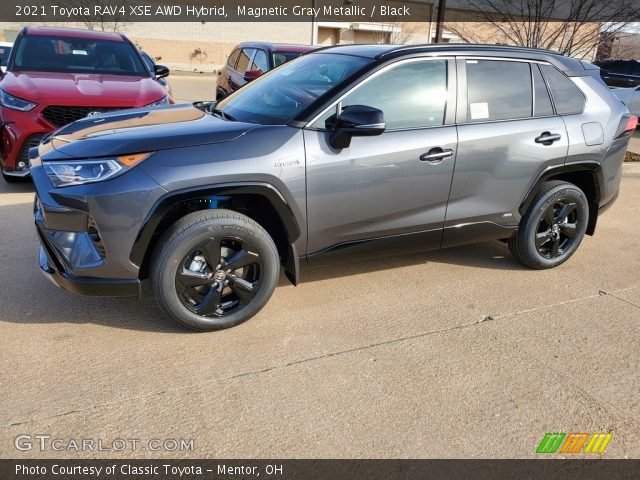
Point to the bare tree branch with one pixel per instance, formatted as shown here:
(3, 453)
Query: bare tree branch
(571, 27)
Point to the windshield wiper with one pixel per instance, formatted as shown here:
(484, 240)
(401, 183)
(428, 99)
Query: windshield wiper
(223, 115)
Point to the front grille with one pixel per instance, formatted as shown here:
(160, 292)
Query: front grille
(60, 115)
(31, 141)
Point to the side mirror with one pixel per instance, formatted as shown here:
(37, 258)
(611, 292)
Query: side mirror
(252, 75)
(160, 71)
(356, 121)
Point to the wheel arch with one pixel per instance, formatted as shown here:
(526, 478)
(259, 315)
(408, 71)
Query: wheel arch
(260, 201)
(585, 175)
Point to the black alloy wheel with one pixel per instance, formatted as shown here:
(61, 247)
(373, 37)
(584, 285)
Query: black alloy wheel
(219, 276)
(214, 269)
(557, 229)
(553, 227)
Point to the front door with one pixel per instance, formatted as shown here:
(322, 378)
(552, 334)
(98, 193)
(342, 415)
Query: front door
(390, 185)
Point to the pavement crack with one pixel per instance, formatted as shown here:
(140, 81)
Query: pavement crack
(602, 292)
(485, 319)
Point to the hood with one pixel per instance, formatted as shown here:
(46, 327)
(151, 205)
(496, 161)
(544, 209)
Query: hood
(83, 89)
(141, 130)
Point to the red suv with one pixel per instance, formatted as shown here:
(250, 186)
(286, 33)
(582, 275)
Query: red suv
(58, 75)
(249, 60)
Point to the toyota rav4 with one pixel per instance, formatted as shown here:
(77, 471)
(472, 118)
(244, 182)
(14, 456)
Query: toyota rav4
(342, 152)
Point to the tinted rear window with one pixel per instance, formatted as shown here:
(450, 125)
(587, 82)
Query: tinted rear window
(77, 55)
(567, 98)
(498, 90)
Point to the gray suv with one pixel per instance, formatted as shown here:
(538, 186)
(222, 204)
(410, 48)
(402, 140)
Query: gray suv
(344, 152)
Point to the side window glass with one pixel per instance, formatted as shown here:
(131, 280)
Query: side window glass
(260, 61)
(567, 98)
(233, 58)
(411, 95)
(244, 59)
(498, 90)
(542, 102)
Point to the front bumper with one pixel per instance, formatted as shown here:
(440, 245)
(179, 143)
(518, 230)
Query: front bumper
(86, 231)
(81, 285)
(56, 268)
(20, 131)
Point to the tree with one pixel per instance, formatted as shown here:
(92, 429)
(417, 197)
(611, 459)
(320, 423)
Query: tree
(571, 27)
(394, 32)
(103, 22)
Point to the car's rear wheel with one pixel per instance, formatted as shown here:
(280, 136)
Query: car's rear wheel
(553, 227)
(214, 269)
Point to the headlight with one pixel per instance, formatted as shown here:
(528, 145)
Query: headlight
(15, 103)
(67, 173)
(162, 101)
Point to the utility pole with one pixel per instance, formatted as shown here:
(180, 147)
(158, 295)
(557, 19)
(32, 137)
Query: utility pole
(442, 5)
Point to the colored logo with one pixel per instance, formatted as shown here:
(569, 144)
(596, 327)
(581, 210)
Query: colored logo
(574, 443)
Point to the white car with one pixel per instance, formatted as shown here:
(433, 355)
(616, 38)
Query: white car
(5, 50)
(630, 97)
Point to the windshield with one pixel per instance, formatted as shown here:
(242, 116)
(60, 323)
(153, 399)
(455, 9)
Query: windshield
(77, 55)
(278, 96)
(4, 55)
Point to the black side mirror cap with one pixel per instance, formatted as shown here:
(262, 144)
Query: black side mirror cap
(356, 121)
(160, 71)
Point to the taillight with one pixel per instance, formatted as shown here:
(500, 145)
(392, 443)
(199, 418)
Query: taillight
(627, 126)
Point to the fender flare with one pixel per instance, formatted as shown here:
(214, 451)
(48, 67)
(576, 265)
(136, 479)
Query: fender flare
(592, 167)
(164, 203)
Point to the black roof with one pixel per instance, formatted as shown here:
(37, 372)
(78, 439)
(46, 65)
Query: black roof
(568, 65)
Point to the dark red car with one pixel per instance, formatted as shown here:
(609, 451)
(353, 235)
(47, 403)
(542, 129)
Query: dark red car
(58, 75)
(249, 60)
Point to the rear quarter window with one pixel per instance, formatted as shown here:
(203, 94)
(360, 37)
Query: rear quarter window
(567, 97)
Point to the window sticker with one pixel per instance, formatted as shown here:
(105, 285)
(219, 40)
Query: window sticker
(479, 110)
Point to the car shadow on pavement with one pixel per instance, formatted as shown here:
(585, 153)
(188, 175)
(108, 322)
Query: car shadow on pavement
(21, 186)
(487, 255)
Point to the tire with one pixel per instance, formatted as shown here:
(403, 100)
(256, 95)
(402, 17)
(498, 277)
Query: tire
(203, 292)
(11, 178)
(553, 227)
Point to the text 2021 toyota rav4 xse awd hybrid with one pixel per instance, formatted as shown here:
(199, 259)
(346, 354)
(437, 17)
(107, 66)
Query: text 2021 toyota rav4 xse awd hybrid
(344, 150)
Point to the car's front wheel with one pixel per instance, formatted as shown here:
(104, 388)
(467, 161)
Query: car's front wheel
(553, 227)
(214, 269)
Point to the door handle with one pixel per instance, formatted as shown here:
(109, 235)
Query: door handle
(547, 138)
(436, 155)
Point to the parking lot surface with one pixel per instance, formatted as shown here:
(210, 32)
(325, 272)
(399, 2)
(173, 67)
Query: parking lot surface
(456, 353)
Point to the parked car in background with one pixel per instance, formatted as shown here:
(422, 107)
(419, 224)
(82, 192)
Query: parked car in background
(342, 153)
(58, 75)
(151, 66)
(630, 97)
(620, 73)
(5, 50)
(249, 60)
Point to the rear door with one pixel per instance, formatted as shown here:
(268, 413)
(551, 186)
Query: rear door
(508, 132)
(386, 186)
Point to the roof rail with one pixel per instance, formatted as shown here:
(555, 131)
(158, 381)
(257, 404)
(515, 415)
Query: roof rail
(446, 46)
